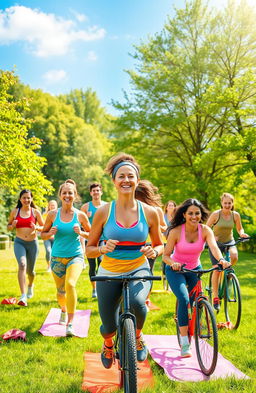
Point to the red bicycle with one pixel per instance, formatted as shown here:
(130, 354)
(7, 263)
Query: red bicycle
(202, 324)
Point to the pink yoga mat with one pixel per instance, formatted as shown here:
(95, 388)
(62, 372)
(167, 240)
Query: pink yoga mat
(166, 352)
(52, 328)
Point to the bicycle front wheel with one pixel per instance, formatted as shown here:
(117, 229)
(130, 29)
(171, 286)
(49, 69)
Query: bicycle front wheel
(206, 337)
(129, 357)
(233, 301)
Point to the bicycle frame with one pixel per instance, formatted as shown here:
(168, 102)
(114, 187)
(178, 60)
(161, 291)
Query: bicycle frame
(201, 324)
(223, 287)
(197, 293)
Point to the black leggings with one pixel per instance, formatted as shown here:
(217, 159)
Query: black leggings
(109, 297)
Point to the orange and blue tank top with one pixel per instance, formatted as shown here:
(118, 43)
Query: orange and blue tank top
(127, 255)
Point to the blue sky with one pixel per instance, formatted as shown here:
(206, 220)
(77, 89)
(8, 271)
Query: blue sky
(62, 45)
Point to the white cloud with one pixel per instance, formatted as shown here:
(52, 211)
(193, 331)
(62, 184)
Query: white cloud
(46, 34)
(79, 17)
(55, 76)
(91, 56)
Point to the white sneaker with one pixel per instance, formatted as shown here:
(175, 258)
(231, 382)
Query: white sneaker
(94, 294)
(23, 300)
(30, 292)
(63, 318)
(186, 351)
(69, 330)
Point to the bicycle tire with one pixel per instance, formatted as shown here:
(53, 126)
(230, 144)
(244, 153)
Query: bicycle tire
(128, 357)
(206, 337)
(233, 301)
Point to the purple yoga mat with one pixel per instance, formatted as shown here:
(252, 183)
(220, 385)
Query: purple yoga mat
(166, 352)
(52, 328)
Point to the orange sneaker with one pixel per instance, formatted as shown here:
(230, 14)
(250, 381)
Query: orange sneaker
(107, 356)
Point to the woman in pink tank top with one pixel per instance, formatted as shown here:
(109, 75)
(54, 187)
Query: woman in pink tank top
(185, 243)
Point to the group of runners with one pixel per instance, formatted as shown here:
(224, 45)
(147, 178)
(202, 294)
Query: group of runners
(124, 236)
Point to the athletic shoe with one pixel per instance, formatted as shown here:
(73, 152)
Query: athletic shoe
(185, 351)
(107, 356)
(23, 300)
(69, 330)
(30, 292)
(216, 304)
(94, 293)
(142, 350)
(63, 318)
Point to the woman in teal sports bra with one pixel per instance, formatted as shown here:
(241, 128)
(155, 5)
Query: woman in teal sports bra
(67, 258)
(124, 224)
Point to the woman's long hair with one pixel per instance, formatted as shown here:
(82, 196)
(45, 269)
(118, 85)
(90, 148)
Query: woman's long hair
(148, 193)
(19, 204)
(179, 218)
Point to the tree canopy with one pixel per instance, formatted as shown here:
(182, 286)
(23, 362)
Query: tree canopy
(20, 166)
(190, 116)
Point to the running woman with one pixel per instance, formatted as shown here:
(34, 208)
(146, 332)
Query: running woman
(67, 258)
(26, 219)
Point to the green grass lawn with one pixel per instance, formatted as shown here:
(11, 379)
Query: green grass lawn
(55, 365)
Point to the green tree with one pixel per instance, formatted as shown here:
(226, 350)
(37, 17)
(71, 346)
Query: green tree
(72, 148)
(20, 166)
(87, 106)
(182, 118)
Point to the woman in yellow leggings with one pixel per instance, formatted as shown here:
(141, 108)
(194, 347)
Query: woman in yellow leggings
(67, 255)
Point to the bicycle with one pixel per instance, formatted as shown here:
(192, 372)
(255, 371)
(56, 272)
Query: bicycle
(229, 289)
(125, 341)
(202, 324)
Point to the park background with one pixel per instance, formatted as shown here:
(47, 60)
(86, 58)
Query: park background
(187, 113)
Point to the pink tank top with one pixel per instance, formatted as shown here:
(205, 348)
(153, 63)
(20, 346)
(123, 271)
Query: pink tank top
(188, 253)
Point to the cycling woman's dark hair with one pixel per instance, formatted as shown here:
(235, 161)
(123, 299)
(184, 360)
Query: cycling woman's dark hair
(179, 218)
(25, 191)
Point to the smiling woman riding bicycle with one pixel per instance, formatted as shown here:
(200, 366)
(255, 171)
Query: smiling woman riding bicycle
(223, 222)
(125, 224)
(185, 243)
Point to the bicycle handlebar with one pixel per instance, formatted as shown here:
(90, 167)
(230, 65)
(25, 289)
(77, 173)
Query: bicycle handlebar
(239, 240)
(199, 271)
(126, 278)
